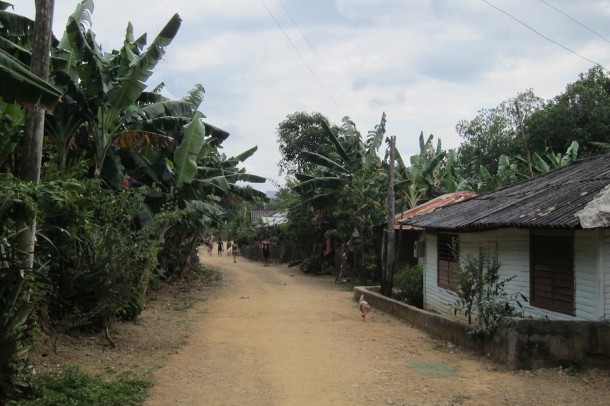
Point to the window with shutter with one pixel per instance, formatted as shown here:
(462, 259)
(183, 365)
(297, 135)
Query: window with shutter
(447, 249)
(552, 272)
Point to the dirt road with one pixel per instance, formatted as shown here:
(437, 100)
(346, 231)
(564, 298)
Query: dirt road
(274, 336)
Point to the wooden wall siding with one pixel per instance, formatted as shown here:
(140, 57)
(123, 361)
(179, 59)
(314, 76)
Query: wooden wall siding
(605, 276)
(552, 271)
(586, 266)
(435, 298)
(513, 254)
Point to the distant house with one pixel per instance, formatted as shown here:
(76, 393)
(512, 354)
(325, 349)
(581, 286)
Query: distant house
(552, 233)
(255, 215)
(273, 220)
(267, 217)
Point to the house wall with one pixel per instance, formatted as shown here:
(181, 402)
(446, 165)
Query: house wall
(586, 271)
(513, 255)
(435, 298)
(604, 281)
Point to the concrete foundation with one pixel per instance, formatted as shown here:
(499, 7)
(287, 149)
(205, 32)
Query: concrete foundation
(518, 343)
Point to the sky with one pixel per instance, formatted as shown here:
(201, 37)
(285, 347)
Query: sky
(426, 63)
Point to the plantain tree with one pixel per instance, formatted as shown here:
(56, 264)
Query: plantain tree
(423, 179)
(154, 155)
(339, 184)
(17, 295)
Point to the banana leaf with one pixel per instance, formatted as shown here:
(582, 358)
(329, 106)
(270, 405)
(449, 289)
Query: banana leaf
(18, 85)
(134, 83)
(185, 156)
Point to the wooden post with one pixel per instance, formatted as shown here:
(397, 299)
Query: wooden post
(526, 150)
(388, 272)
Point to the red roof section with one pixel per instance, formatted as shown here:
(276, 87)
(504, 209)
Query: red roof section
(430, 206)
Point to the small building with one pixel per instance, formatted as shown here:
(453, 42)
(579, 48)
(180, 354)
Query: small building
(407, 236)
(256, 215)
(550, 234)
(273, 220)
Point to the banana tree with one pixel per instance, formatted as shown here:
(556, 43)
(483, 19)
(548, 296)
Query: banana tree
(339, 176)
(424, 178)
(20, 86)
(551, 160)
(111, 83)
(350, 155)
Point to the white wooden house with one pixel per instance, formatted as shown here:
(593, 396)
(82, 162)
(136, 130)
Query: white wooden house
(551, 233)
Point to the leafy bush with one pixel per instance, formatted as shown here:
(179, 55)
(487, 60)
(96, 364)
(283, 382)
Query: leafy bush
(178, 238)
(409, 285)
(99, 260)
(309, 265)
(481, 293)
(19, 287)
(74, 387)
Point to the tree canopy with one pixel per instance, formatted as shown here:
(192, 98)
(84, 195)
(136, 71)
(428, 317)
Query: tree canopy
(300, 132)
(495, 132)
(581, 113)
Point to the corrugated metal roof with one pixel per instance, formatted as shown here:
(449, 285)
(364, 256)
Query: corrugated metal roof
(547, 201)
(257, 214)
(431, 205)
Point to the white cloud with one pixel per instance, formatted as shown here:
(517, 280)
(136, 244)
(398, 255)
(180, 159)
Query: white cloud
(426, 63)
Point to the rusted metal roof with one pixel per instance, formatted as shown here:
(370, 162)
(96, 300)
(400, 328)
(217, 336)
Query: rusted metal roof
(546, 201)
(430, 206)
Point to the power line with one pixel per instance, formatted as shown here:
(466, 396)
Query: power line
(302, 59)
(542, 35)
(297, 26)
(575, 20)
(345, 98)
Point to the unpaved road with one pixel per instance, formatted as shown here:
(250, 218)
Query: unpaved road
(274, 336)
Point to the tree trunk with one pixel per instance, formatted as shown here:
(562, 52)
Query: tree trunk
(388, 272)
(29, 169)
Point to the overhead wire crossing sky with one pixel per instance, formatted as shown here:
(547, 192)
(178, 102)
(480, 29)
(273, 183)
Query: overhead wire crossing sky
(296, 49)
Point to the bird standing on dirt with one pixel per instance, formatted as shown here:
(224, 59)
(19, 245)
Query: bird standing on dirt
(363, 306)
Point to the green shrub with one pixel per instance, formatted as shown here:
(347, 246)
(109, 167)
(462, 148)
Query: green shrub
(409, 285)
(309, 265)
(179, 240)
(481, 293)
(20, 288)
(99, 260)
(74, 387)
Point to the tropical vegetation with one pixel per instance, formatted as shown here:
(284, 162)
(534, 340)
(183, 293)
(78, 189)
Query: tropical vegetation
(129, 181)
(337, 190)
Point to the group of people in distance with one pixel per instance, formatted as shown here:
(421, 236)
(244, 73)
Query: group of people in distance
(208, 241)
(233, 249)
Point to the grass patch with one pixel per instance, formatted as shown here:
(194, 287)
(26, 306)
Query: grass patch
(437, 369)
(75, 387)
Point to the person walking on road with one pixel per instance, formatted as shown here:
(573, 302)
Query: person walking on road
(235, 251)
(265, 246)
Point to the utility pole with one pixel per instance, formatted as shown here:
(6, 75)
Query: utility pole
(526, 150)
(388, 271)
